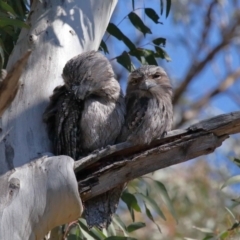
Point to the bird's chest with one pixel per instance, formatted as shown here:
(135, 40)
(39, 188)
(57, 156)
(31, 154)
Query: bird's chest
(97, 121)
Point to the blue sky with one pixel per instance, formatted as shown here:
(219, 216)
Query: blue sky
(207, 80)
(181, 59)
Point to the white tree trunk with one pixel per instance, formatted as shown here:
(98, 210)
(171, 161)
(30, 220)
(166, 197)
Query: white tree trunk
(60, 29)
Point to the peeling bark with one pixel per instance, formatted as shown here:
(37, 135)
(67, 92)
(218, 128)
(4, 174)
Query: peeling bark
(36, 196)
(124, 162)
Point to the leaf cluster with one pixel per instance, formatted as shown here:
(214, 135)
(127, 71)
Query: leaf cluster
(13, 15)
(143, 55)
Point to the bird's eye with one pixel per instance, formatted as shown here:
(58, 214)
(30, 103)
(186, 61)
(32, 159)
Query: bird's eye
(156, 75)
(134, 81)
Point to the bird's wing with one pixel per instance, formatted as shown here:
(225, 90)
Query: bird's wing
(63, 119)
(49, 116)
(136, 110)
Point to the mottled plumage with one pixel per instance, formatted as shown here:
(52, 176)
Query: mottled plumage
(86, 114)
(149, 111)
(148, 104)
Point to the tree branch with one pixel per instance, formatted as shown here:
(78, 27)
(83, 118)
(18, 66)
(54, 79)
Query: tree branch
(125, 161)
(227, 36)
(194, 109)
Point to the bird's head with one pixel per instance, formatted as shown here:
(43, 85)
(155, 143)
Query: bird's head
(149, 80)
(90, 74)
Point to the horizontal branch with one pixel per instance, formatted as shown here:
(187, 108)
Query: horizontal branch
(106, 169)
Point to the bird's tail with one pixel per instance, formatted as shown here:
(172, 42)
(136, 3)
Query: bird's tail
(99, 210)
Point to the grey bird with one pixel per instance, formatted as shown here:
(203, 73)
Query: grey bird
(149, 111)
(148, 104)
(86, 114)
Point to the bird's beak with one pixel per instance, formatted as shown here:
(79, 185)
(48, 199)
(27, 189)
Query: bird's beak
(80, 92)
(147, 84)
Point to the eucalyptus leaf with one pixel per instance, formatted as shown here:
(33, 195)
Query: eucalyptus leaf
(160, 41)
(232, 180)
(103, 47)
(7, 8)
(162, 54)
(151, 202)
(4, 21)
(125, 61)
(164, 194)
(131, 201)
(149, 215)
(120, 238)
(152, 15)
(168, 7)
(94, 232)
(135, 226)
(138, 23)
(116, 32)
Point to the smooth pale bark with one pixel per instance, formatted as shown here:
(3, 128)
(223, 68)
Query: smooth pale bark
(60, 29)
(37, 197)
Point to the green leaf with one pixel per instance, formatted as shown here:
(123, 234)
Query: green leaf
(237, 161)
(160, 41)
(234, 226)
(94, 232)
(164, 194)
(204, 230)
(10, 31)
(111, 231)
(1, 57)
(7, 8)
(162, 54)
(117, 220)
(138, 23)
(133, 4)
(230, 212)
(145, 56)
(151, 60)
(144, 52)
(76, 234)
(149, 214)
(116, 32)
(73, 237)
(135, 226)
(232, 180)
(168, 7)
(161, 7)
(131, 201)
(223, 235)
(103, 47)
(125, 61)
(120, 238)
(152, 15)
(209, 237)
(4, 21)
(151, 202)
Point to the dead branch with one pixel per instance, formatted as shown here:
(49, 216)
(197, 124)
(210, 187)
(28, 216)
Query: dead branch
(10, 84)
(104, 170)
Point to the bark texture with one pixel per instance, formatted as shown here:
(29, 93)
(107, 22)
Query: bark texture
(126, 161)
(59, 30)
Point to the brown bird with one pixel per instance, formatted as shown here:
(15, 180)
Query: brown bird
(148, 105)
(86, 114)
